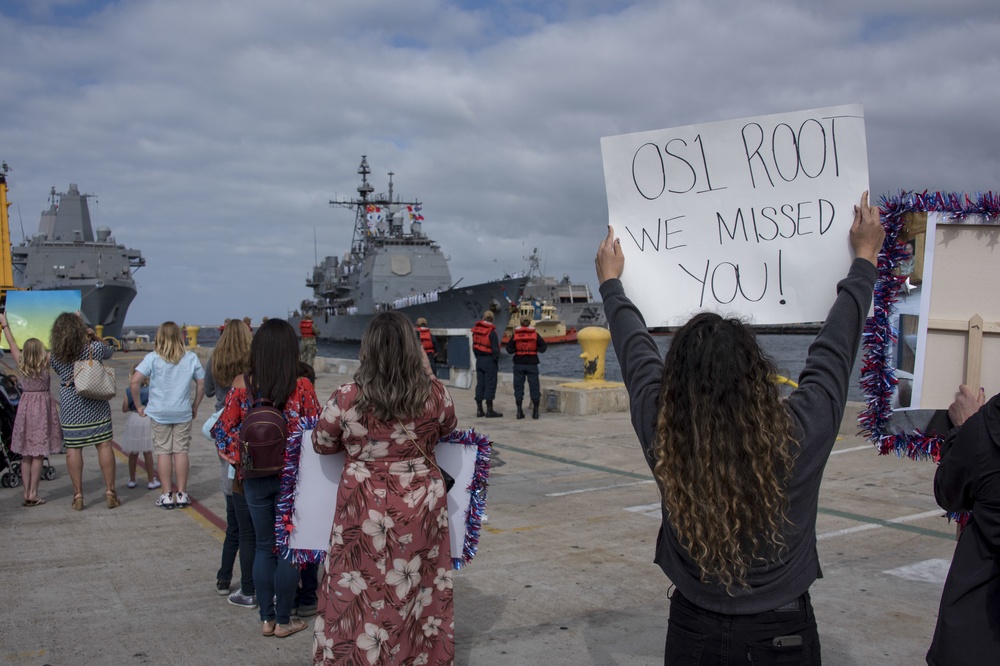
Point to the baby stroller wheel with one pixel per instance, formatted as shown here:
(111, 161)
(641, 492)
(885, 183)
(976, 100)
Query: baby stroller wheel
(5, 479)
(15, 469)
(15, 481)
(49, 473)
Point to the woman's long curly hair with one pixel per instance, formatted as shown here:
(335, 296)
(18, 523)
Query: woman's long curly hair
(68, 337)
(392, 382)
(232, 353)
(724, 449)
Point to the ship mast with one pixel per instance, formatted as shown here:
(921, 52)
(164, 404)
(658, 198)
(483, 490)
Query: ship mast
(369, 206)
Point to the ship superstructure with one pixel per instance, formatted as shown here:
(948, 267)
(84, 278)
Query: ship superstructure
(393, 265)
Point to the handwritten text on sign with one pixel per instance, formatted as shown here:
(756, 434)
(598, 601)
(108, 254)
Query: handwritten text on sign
(747, 217)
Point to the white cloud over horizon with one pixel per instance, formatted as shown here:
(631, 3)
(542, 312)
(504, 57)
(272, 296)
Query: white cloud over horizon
(214, 133)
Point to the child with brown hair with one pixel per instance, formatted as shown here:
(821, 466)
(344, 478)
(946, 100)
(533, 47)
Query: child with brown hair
(138, 437)
(37, 432)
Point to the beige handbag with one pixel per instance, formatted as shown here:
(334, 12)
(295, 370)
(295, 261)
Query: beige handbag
(93, 379)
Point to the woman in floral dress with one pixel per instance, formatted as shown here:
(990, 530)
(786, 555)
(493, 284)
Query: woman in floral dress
(386, 595)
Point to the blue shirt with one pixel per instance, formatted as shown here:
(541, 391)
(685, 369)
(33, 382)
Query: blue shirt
(170, 386)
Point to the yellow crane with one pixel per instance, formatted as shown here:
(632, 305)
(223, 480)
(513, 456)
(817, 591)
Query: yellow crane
(6, 267)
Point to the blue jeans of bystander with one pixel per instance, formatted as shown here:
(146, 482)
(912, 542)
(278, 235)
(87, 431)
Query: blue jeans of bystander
(275, 578)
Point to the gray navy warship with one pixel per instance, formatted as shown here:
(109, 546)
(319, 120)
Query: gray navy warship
(65, 254)
(393, 265)
(575, 304)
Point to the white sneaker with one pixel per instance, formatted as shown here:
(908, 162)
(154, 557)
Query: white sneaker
(154, 484)
(165, 501)
(181, 499)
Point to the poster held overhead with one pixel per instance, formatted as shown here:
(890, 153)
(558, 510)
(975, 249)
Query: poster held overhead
(746, 217)
(32, 313)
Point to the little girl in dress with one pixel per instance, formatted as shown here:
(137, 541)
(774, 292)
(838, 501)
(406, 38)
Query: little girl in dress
(37, 432)
(138, 436)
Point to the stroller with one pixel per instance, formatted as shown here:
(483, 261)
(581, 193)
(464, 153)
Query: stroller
(10, 462)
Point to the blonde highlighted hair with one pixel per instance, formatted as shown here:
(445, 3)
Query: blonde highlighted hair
(169, 343)
(392, 382)
(232, 353)
(34, 360)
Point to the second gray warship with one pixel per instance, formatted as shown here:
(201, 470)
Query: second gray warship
(393, 265)
(575, 305)
(65, 254)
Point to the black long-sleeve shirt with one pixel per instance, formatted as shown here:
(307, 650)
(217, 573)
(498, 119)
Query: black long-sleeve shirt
(816, 408)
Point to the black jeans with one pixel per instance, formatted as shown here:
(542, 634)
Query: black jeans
(240, 538)
(786, 635)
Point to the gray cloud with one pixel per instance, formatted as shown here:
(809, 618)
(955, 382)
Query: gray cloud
(215, 133)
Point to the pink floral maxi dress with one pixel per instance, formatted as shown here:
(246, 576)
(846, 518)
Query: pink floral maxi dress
(386, 593)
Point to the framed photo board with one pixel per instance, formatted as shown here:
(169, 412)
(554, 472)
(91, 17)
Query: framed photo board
(936, 321)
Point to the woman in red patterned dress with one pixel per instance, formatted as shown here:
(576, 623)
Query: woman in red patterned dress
(386, 594)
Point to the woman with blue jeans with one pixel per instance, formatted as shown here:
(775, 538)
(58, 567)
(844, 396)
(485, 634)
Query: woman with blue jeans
(273, 375)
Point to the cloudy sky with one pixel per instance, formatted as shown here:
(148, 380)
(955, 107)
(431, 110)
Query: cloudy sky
(214, 132)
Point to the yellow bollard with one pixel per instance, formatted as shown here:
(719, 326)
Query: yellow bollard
(594, 341)
(99, 331)
(192, 335)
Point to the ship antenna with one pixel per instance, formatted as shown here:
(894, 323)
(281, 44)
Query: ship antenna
(391, 174)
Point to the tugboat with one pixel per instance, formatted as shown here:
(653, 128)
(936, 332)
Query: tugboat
(545, 320)
(393, 265)
(574, 303)
(65, 254)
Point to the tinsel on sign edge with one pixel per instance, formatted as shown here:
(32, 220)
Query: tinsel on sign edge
(878, 376)
(478, 489)
(286, 497)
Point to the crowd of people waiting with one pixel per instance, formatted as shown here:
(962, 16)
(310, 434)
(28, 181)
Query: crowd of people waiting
(738, 468)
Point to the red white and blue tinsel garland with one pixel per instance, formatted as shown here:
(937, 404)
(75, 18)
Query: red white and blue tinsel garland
(878, 377)
(478, 489)
(286, 495)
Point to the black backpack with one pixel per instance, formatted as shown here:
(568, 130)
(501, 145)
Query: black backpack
(263, 437)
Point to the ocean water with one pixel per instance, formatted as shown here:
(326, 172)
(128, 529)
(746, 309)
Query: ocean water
(788, 350)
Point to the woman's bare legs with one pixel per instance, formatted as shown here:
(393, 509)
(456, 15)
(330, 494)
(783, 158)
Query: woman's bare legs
(74, 465)
(106, 458)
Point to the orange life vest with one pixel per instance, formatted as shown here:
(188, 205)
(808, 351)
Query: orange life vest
(425, 339)
(306, 328)
(481, 336)
(525, 341)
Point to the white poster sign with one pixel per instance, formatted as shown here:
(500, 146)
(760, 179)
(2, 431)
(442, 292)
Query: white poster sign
(319, 478)
(746, 217)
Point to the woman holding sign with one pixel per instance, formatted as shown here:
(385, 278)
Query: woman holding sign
(738, 469)
(386, 594)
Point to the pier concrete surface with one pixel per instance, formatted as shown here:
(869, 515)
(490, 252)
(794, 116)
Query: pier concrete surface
(564, 573)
